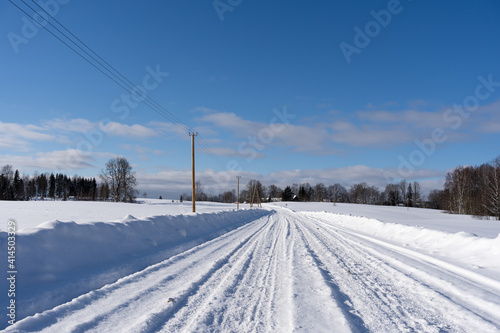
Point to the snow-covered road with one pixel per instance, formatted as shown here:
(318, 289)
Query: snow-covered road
(287, 271)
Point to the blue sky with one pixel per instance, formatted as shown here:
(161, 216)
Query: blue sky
(285, 92)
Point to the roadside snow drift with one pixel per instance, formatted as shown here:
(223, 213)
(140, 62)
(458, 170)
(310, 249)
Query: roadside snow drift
(57, 260)
(476, 253)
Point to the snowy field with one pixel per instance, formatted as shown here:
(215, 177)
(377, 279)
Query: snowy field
(32, 213)
(304, 267)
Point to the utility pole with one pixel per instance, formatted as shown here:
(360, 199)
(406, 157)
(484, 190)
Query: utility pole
(251, 196)
(192, 135)
(238, 194)
(255, 193)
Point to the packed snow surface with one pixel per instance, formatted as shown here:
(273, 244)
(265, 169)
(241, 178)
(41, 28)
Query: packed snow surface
(288, 267)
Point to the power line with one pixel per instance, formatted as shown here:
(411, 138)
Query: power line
(112, 73)
(119, 77)
(210, 151)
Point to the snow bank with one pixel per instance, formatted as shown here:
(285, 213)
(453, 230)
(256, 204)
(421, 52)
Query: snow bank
(476, 252)
(29, 214)
(57, 260)
(427, 218)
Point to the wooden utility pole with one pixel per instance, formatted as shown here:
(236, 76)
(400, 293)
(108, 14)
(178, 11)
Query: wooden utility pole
(238, 194)
(256, 193)
(251, 196)
(192, 135)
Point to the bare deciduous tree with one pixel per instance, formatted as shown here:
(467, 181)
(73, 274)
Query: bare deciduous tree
(120, 178)
(199, 191)
(492, 188)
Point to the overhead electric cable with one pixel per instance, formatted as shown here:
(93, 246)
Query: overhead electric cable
(114, 74)
(121, 77)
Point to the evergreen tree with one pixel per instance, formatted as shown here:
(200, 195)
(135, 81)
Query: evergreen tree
(31, 189)
(94, 190)
(4, 186)
(287, 194)
(52, 186)
(409, 195)
(59, 185)
(42, 185)
(18, 186)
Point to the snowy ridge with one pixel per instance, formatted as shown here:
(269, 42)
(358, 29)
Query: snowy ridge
(60, 260)
(478, 253)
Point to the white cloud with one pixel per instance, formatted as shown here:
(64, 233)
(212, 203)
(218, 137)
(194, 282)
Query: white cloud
(215, 182)
(456, 120)
(55, 160)
(228, 152)
(20, 137)
(491, 127)
(136, 130)
(232, 122)
(28, 132)
(70, 125)
(315, 139)
(410, 118)
(377, 129)
(350, 175)
(369, 135)
(171, 181)
(8, 142)
(203, 109)
(167, 127)
(142, 150)
(487, 118)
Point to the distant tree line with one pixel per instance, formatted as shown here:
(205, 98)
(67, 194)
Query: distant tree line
(13, 186)
(118, 183)
(471, 190)
(402, 193)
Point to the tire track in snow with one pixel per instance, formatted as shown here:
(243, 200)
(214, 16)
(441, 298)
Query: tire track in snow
(101, 310)
(329, 301)
(462, 290)
(196, 307)
(417, 294)
(243, 297)
(369, 297)
(164, 310)
(475, 293)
